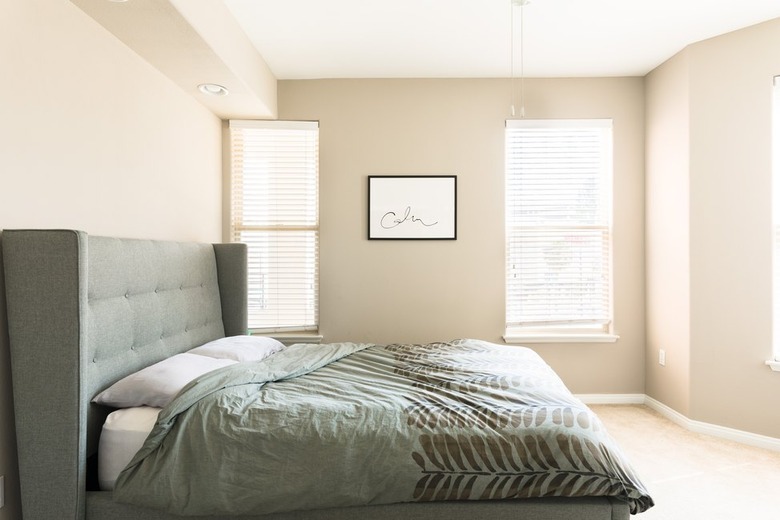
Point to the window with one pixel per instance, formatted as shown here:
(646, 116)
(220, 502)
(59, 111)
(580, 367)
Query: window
(275, 211)
(559, 230)
(775, 361)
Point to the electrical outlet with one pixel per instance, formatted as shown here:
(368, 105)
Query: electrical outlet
(662, 357)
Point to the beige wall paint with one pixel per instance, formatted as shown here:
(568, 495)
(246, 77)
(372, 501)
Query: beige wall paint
(728, 219)
(94, 138)
(667, 235)
(420, 291)
(731, 269)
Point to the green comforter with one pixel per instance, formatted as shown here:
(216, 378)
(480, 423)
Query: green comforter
(317, 426)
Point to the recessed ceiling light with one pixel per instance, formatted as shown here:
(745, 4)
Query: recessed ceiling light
(212, 89)
(118, 1)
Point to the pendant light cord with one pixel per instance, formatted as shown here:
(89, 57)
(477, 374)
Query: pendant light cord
(512, 57)
(521, 4)
(522, 61)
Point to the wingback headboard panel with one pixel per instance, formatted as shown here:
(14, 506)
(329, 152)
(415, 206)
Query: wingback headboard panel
(84, 312)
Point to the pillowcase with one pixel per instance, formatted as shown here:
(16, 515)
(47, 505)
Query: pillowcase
(158, 384)
(239, 348)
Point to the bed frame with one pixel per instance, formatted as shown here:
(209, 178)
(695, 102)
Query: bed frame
(85, 311)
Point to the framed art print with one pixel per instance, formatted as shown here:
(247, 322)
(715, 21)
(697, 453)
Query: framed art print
(412, 207)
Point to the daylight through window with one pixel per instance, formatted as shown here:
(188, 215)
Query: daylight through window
(275, 211)
(558, 227)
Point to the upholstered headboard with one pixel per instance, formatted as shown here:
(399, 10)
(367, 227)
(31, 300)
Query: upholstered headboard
(85, 311)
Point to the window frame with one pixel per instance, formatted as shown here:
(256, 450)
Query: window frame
(303, 222)
(561, 332)
(774, 361)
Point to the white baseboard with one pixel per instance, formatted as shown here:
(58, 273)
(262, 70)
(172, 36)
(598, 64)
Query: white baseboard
(751, 439)
(612, 398)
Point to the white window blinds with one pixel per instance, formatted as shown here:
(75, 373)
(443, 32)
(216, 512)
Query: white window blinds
(275, 211)
(558, 225)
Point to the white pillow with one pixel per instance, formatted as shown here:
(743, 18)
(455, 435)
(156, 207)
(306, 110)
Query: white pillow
(240, 348)
(158, 384)
(124, 433)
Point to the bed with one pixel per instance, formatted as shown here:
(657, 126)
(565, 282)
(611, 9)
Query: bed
(86, 311)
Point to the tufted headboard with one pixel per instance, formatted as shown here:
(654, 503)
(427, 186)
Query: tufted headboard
(85, 311)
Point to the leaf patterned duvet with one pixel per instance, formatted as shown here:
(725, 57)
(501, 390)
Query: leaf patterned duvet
(343, 424)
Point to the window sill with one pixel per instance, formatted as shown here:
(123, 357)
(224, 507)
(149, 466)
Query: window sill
(290, 338)
(519, 337)
(774, 365)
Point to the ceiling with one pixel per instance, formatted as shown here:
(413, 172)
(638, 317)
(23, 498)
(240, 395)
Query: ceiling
(306, 39)
(247, 45)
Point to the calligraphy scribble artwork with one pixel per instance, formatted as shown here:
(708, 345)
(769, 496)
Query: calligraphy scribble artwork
(412, 207)
(391, 219)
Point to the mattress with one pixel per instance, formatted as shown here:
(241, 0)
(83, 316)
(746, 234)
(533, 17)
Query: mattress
(124, 432)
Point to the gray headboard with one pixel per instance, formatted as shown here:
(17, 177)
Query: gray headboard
(85, 311)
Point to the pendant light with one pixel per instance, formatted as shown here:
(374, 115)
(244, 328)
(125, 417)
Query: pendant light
(519, 4)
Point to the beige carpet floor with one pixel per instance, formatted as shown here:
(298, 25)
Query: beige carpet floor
(692, 476)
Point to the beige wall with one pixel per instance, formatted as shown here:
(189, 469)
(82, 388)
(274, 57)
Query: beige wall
(728, 220)
(93, 138)
(419, 291)
(667, 235)
(731, 269)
